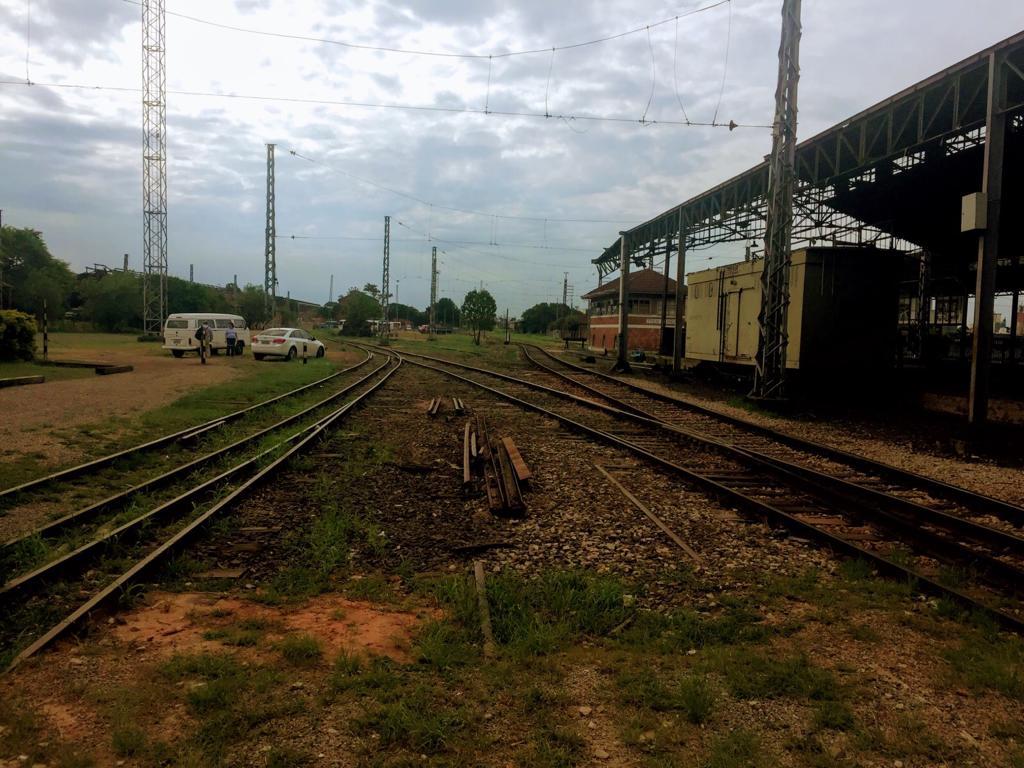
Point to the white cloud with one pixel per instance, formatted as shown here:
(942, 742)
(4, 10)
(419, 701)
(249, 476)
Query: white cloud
(70, 162)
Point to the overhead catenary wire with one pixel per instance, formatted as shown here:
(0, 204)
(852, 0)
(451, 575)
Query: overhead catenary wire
(468, 211)
(442, 54)
(403, 107)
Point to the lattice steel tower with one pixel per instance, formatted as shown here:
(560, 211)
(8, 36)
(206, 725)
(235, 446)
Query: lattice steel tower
(154, 168)
(770, 368)
(270, 247)
(385, 280)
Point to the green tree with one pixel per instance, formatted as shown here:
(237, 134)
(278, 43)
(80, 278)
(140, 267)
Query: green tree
(33, 273)
(446, 312)
(183, 296)
(357, 308)
(112, 302)
(478, 310)
(252, 305)
(406, 312)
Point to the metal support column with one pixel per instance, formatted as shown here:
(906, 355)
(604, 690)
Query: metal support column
(622, 361)
(270, 246)
(988, 244)
(154, 167)
(770, 368)
(385, 282)
(433, 291)
(678, 335)
(664, 297)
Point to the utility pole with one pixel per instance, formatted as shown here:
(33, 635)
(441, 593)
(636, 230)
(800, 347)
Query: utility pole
(770, 365)
(385, 281)
(270, 246)
(191, 273)
(508, 332)
(433, 290)
(154, 167)
(330, 291)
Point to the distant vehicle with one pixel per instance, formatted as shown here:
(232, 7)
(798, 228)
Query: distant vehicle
(331, 324)
(288, 343)
(180, 332)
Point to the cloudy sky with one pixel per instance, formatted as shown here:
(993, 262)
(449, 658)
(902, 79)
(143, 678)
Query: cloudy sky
(70, 158)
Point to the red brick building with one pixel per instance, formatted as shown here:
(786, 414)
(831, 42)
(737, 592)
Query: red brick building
(646, 293)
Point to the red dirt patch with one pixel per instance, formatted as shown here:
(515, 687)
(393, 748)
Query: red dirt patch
(173, 623)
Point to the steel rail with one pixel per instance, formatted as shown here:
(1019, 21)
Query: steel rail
(1004, 510)
(756, 506)
(172, 544)
(103, 461)
(85, 514)
(912, 512)
(78, 557)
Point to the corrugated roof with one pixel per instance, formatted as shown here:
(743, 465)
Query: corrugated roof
(644, 281)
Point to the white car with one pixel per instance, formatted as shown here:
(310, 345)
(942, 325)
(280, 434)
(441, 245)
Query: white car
(288, 343)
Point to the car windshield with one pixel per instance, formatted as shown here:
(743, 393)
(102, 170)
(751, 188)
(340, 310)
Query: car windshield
(276, 332)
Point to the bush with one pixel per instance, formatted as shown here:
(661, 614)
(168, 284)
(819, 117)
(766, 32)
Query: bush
(17, 335)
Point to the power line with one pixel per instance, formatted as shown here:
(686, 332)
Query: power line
(442, 54)
(404, 107)
(434, 238)
(438, 206)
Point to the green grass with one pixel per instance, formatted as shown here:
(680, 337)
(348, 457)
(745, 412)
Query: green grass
(753, 674)
(300, 650)
(738, 749)
(657, 690)
(985, 661)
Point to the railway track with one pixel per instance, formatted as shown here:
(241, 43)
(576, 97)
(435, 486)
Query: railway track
(15, 493)
(975, 565)
(103, 568)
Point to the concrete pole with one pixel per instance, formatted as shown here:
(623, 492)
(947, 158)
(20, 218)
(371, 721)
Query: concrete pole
(622, 362)
(988, 244)
(678, 336)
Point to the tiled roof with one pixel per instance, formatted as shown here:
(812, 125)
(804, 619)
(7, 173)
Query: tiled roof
(642, 282)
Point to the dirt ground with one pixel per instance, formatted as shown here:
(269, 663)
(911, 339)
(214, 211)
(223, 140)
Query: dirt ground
(30, 413)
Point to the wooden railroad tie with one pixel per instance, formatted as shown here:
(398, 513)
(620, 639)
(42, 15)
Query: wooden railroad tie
(500, 466)
(458, 406)
(18, 381)
(434, 407)
(106, 370)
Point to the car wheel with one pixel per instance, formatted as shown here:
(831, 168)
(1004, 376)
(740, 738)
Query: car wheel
(292, 353)
(257, 356)
(320, 352)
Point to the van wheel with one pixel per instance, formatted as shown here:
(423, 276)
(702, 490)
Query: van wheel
(178, 352)
(257, 356)
(291, 353)
(214, 351)
(320, 352)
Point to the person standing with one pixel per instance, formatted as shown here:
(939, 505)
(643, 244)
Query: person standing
(232, 337)
(205, 337)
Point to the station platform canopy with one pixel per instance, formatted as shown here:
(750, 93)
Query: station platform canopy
(891, 176)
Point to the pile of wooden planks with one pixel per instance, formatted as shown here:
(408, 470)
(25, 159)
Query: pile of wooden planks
(498, 463)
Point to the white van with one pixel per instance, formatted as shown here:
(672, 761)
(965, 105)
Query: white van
(180, 332)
